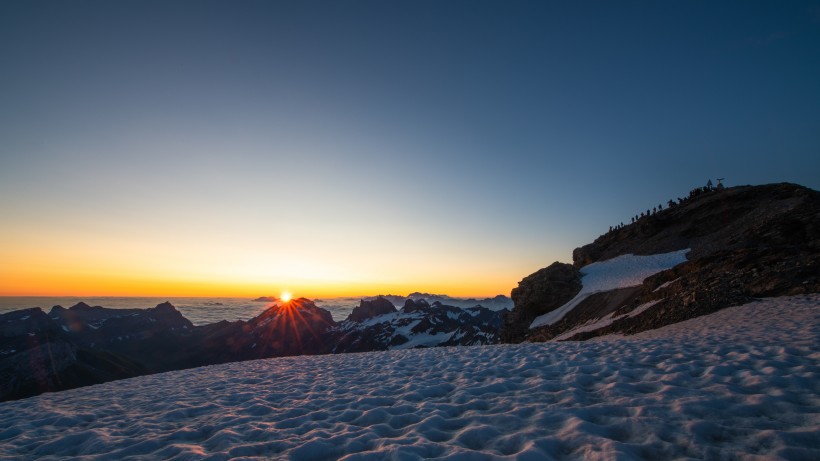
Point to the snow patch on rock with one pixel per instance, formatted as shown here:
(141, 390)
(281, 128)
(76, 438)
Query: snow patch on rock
(620, 272)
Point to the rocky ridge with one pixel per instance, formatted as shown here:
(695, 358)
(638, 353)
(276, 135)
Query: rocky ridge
(416, 324)
(746, 242)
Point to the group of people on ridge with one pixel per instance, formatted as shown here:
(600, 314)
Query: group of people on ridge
(709, 187)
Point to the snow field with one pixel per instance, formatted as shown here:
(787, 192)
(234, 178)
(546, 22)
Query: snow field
(739, 383)
(619, 272)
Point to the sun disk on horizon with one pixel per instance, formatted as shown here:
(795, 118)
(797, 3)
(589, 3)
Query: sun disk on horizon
(285, 296)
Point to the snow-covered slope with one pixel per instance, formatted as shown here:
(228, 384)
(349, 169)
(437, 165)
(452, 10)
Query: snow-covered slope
(620, 272)
(741, 383)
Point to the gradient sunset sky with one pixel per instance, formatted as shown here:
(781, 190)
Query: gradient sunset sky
(356, 147)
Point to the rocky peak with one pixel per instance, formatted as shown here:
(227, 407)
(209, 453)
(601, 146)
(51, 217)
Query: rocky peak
(81, 306)
(302, 308)
(420, 324)
(411, 305)
(169, 316)
(165, 307)
(370, 309)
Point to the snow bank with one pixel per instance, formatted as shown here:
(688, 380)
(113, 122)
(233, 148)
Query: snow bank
(743, 383)
(620, 272)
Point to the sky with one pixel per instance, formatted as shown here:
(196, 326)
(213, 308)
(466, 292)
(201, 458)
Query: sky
(355, 148)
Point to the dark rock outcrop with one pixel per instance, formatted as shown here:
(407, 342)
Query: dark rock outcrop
(746, 242)
(369, 309)
(537, 294)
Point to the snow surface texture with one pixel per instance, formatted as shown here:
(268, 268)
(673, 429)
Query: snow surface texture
(620, 272)
(741, 383)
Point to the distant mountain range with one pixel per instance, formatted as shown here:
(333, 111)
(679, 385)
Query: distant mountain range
(83, 345)
(497, 303)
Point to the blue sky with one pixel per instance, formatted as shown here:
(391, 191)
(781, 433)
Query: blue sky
(367, 146)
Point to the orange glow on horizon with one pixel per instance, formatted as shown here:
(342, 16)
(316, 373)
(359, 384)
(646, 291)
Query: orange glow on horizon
(76, 261)
(15, 282)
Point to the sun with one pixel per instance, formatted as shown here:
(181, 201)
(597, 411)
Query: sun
(285, 296)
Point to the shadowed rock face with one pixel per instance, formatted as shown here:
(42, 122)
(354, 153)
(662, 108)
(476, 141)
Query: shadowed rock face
(746, 242)
(537, 294)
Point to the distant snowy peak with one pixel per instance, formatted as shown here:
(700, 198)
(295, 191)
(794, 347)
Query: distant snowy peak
(419, 324)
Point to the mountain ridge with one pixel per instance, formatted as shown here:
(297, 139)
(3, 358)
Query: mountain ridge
(744, 242)
(84, 345)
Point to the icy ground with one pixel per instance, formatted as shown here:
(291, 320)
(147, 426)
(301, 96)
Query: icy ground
(619, 272)
(742, 383)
